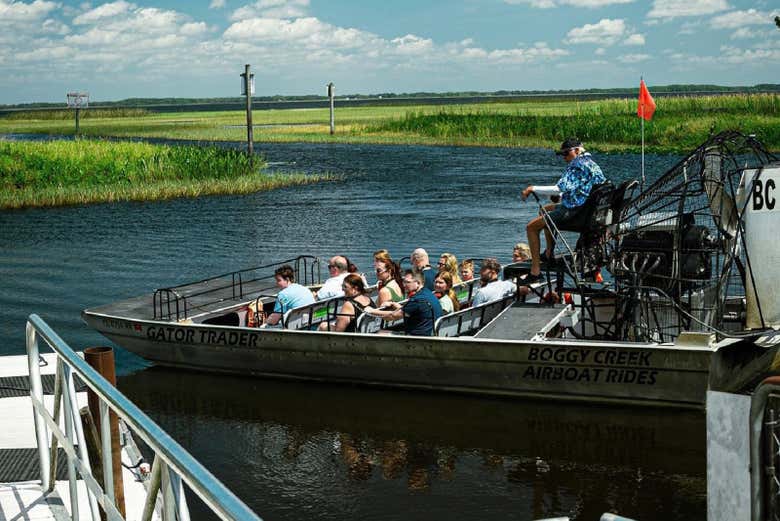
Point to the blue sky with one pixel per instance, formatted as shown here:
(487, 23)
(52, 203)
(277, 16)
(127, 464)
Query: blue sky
(157, 48)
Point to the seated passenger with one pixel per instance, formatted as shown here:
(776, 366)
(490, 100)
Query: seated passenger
(447, 297)
(388, 280)
(467, 270)
(578, 179)
(355, 302)
(292, 295)
(521, 252)
(421, 264)
(419, 313)
(449, 263)
(338, 268)
(492, 288)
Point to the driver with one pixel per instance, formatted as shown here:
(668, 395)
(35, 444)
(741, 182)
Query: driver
(578, 179)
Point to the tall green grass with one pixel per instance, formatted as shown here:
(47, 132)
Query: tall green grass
(68, 114)
(679, 123)
(75, 172)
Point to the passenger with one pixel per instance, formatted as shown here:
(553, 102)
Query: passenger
(291, 296)
(467, 270)
(381, 254)
(521, 252)
(421, 264)
(447, 297)
(389, 280)
(578, 179)
(449, 263)
(355, 302)
(492, 288)
(419, 313)
(338, 268)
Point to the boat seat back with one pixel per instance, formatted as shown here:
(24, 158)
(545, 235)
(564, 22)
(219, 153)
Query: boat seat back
(370, 324)
(465, 290)
(312, 315)
(470, 319)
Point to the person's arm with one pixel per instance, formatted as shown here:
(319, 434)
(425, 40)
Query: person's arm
(544, 191)
(344, 316)
(394, 311)
(383, 296)
(273, 319)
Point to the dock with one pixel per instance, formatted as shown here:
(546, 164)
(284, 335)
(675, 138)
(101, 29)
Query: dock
(21, 495)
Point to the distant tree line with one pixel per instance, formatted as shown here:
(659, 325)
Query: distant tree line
(660, 89)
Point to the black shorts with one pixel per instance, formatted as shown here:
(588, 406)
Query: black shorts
(569, 219)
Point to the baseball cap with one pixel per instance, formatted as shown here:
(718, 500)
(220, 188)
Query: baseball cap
(568, 144)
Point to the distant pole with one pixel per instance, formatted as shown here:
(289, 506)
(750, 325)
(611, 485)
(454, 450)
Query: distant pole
(77, 120)
(642, 186)
(331, 95)
(249, 133)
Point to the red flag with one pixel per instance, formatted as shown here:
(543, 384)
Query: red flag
(646, 106)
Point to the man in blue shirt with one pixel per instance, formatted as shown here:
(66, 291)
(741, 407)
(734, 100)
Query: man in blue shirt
(421, 310)
(578, 179)
(293, 295)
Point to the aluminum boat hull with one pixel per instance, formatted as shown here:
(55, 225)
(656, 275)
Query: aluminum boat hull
(591, 371)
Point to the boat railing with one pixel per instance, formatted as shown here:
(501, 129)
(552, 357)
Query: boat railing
(178, 302)
(172, 466)
(765, 450)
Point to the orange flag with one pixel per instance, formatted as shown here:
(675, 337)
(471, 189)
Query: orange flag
(646, 107)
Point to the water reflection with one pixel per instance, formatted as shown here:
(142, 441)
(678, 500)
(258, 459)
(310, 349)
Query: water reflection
(353, 452)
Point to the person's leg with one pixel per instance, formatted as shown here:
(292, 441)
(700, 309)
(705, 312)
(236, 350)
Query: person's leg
(533, 229)
(548, 236)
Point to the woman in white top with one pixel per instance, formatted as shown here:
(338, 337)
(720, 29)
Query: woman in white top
(442, 286)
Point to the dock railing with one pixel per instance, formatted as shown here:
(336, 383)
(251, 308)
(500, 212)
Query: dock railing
(172, 465)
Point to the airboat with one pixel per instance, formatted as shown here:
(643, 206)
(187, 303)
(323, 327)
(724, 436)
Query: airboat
(687, 301)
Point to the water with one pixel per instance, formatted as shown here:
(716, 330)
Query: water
(293, 450)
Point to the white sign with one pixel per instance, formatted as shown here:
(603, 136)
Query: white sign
(78, 100)
(251, 85)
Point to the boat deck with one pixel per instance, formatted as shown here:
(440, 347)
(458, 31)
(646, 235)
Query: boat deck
(21, 496)
(519, 321)
(198, 299)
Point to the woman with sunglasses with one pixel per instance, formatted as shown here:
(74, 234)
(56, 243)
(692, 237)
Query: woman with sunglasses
(449, 263)
(388, 278)
(355, 301)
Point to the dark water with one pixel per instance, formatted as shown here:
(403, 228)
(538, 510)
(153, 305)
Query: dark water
(294, 451)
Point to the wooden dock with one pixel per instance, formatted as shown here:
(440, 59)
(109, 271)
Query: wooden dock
(21, 496)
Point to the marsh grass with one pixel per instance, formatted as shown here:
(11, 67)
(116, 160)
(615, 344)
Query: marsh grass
(77, 172)
(678, 124)
(68, 114)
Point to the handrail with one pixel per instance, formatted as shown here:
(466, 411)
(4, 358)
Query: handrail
(169, 455)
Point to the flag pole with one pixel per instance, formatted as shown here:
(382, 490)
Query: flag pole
(642, 117)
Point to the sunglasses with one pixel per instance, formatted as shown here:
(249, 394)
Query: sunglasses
(378, 271)
(409, 281)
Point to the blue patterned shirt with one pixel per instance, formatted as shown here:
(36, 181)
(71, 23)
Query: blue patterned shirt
(581, 174)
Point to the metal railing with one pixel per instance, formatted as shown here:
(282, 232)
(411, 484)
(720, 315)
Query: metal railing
(172, 466)
(765, 450)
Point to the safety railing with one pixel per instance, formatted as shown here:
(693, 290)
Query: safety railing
(172, 466)
(765, 450)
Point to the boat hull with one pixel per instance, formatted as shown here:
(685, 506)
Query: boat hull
(606, 372)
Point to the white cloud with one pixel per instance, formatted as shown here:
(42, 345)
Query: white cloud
(103, 11)
(306, 32)
(411, 44)
(678, 8)
(54, 27)
(690, 27)
(271, 9)
(217, 4)
(547, 4)
(11, 12)
(601, 51)
(605, 32)
(739, 19)
(635, 39)
(633, 58)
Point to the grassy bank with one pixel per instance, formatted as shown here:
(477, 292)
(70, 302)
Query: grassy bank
(608, 125)
(75, 172)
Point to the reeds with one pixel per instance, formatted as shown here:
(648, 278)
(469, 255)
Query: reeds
(67, 114)
(76, 172)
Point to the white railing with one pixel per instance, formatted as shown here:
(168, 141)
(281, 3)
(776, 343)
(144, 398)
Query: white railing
(172, 465)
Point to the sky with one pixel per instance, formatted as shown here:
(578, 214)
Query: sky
(160, 48)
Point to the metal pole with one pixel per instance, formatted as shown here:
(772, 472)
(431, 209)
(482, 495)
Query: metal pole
(102, 360)
(53, 456)
(249, 134)
(642, 117)
(77, 121)
(36, 393)
(154, 488)
(331, 95)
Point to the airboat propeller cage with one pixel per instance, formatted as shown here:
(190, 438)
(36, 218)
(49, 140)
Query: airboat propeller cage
(760, 189)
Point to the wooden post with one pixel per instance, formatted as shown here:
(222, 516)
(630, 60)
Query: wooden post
(331, 94)
(102, 360)
(77, 120)
(249, 133)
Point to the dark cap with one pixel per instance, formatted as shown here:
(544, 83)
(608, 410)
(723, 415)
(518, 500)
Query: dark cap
(568, 144)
